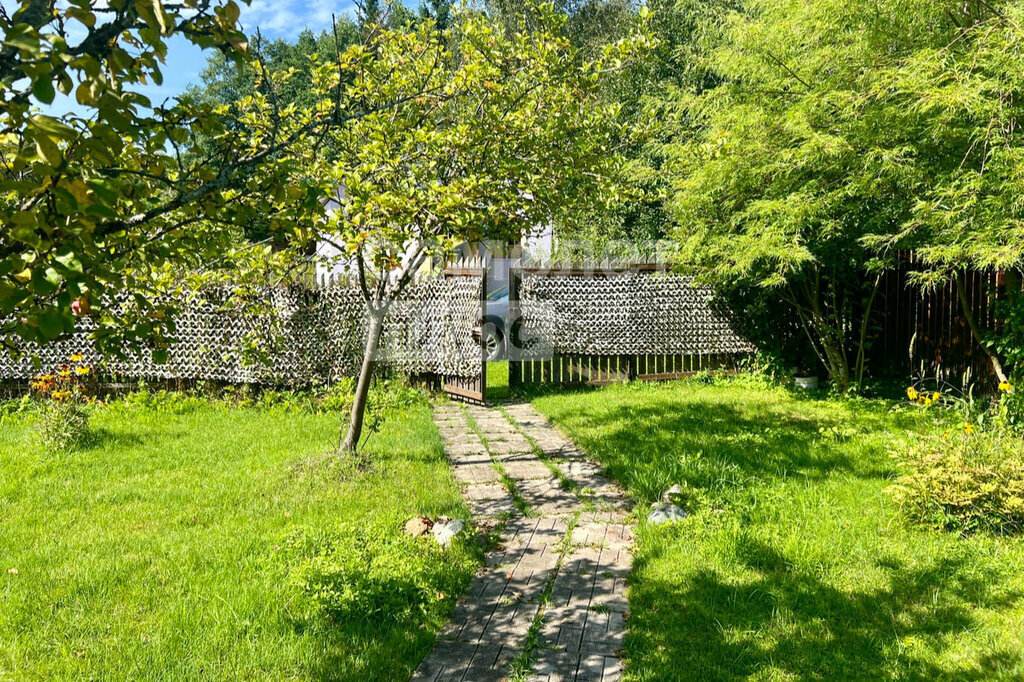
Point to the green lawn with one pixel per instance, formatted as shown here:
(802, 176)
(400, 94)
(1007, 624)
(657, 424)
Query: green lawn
(794, 564)
(158, 552)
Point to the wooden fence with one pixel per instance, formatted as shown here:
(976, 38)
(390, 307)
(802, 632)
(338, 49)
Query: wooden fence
(913, 332)
(597, 370)
(924, 332)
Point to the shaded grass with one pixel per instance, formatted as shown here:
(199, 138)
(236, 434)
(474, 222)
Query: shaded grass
(156, 553)
(794, 562)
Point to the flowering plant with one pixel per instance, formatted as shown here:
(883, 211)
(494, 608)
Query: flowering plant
(923, 398)
(65, 393)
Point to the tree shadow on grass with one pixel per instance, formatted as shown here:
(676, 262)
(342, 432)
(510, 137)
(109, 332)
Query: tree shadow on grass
(710, 627)
(102, 439)
(355, 652)
(711, 445)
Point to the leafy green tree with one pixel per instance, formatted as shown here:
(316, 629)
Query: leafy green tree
(226, 81)
(90, 202)
(836, 132)
(648, 91)
(129, 197)
(589, 25)
(962, 101)
(442, 12)
(496, 131)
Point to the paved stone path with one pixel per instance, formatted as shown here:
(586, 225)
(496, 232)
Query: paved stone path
(550, 603)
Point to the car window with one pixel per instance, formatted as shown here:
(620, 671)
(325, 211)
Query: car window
(498, 294)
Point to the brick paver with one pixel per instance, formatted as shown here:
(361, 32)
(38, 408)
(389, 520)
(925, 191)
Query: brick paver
(568, 585)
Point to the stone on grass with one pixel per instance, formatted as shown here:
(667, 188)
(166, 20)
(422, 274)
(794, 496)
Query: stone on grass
(673, 494)
(445, 531)
(666, 513)
(418, 526)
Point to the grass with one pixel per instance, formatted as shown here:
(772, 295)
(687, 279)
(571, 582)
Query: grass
(497, 381)
(794, 563)
(156, 551)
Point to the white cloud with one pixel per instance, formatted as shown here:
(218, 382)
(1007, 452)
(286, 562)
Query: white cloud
(286, 18)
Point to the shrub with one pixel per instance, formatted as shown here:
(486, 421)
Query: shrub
(375, 574)
(12, 409)
(965, 482)
(63, 425)
(64, 393)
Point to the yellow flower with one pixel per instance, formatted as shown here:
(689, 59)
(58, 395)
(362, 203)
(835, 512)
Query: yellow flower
(81, 371)
(947, 434)
(912, 393)
(77, 357)
(936, 396)
(1005, 386)
(968, 428)
(61, 395)
(927, 402)
(65, 372)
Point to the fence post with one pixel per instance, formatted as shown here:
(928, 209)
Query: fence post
(483, 348)
(512, 350)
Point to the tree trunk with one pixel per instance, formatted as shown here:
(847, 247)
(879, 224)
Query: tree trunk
(830, 338)
(864, 323)
(355, 427)
(965, 306)
(838, 366)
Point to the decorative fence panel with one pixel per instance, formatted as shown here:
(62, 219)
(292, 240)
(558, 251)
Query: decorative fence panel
(601, 325)
(293, 335)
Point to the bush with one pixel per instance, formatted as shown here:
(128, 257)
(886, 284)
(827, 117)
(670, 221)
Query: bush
(63, 425)
(375, 574)
(64, 394)
(13, 409)
(965, 482)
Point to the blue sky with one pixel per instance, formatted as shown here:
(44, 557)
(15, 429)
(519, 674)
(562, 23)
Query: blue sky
(274, 18)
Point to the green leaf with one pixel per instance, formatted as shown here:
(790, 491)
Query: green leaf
(43, 89)
(51, 125)
(22, 39)
(51, 323)
(48, 151)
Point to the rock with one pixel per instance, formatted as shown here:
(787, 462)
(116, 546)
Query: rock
(672, 495)
(418, 526)
(666, 513)
(445, 531)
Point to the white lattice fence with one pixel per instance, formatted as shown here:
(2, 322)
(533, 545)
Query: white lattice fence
(598, 325)
(624, 313)
(291, 335)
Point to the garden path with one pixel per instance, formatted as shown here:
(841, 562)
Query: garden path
(550, 603)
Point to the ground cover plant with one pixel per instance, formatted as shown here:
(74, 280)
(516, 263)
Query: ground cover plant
(794, 561)
(191, 538)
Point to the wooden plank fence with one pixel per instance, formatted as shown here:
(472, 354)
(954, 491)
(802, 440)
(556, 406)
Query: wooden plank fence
(599, 370)
(924, 332)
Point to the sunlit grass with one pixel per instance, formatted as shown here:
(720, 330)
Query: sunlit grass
(794, 563)
(497, 381)
(155, 553)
